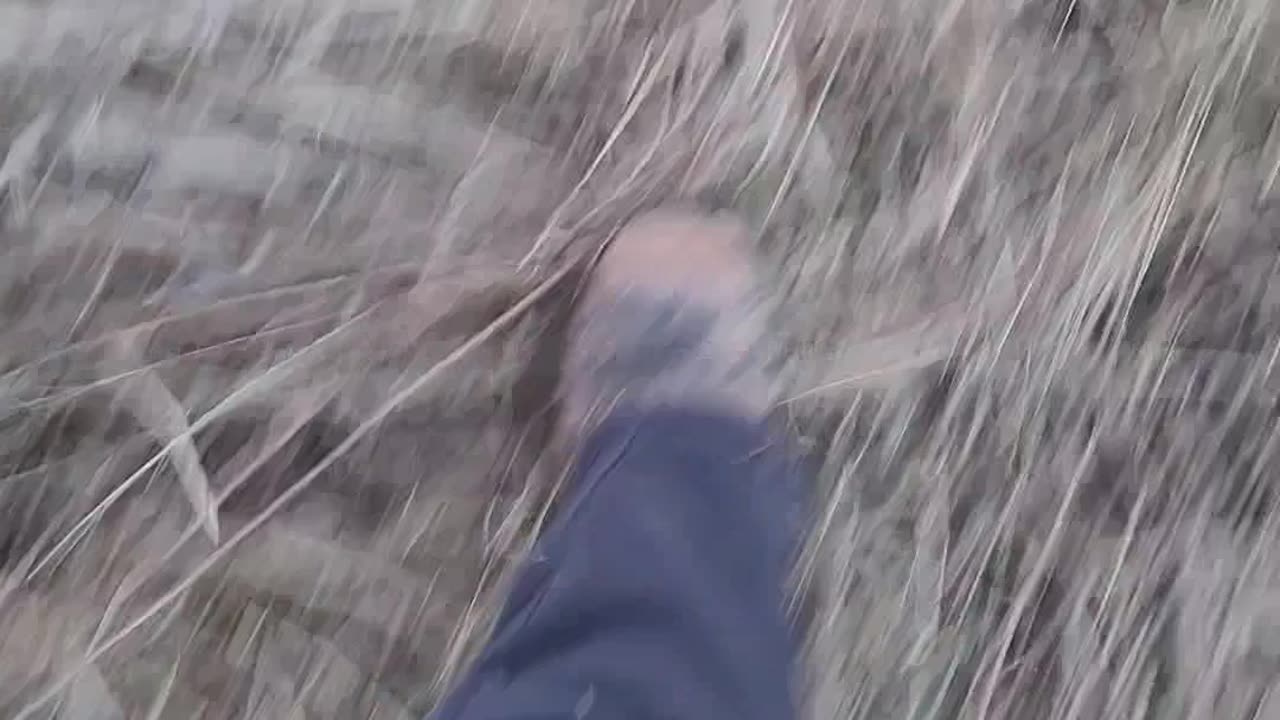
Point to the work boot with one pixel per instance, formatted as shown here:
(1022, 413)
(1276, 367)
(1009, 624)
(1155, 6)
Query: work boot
(671, 318)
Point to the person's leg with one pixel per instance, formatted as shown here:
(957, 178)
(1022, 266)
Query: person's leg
(659, 591)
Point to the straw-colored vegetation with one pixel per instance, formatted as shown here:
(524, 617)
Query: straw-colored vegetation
(282, 284)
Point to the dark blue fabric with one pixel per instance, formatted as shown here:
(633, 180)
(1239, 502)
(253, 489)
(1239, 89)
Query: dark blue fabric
(659, 592)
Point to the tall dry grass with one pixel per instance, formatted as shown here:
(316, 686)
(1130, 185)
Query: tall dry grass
(282, 286)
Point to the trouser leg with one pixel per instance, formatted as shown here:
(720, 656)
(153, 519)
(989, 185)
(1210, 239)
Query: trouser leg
(659, 591)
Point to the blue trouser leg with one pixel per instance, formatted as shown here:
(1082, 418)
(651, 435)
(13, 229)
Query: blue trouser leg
(659, 592)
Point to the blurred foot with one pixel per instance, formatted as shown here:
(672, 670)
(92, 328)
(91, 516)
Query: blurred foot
(670, 318)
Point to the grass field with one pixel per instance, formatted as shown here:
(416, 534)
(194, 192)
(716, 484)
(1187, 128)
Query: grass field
(282, 285)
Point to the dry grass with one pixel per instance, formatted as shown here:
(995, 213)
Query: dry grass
(281, 285)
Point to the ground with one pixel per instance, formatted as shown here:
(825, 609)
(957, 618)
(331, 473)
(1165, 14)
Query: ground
(282, 287)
